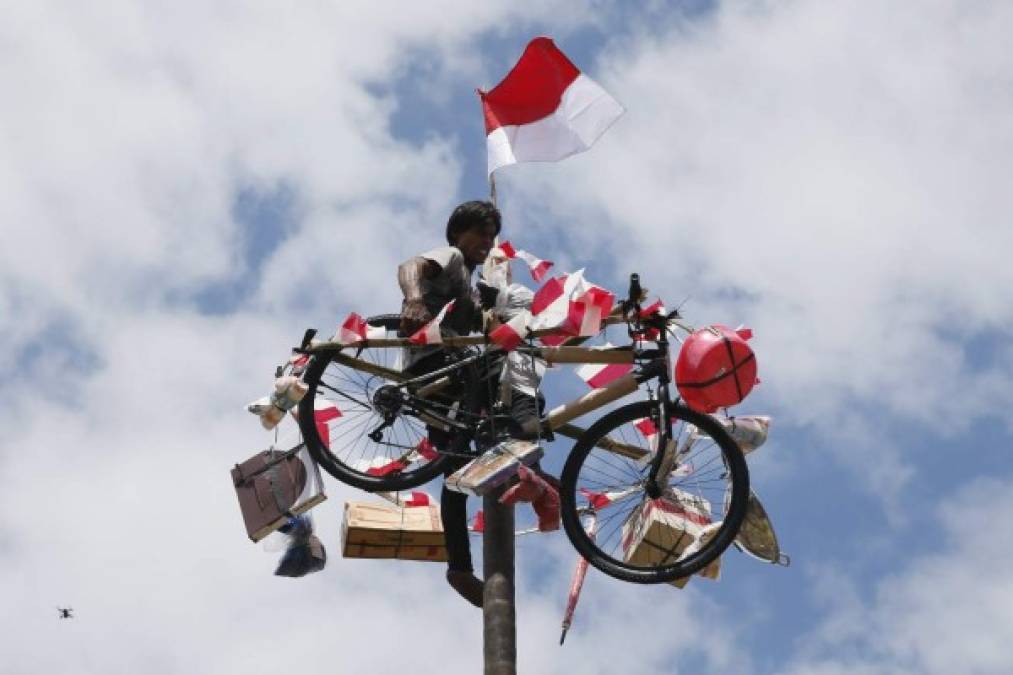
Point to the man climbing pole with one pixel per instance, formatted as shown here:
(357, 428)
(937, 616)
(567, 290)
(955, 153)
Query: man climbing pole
(429, 281)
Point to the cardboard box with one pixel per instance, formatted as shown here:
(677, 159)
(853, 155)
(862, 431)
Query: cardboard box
(274, 485)
(370, 530)
(659, 530)
(494, 467)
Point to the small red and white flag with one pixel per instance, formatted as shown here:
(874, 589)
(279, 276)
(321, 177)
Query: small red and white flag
(430, 333)
(479, 523)
(572, 305)
(323, 412)
(424, 450)
(600, 374)
(408, 499)
(587, 311)
(352, 330)
(599, 500)
(510, 334)
(538, 267)
(545, 109)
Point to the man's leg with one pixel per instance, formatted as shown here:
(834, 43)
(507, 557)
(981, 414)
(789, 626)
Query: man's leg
(454, 514)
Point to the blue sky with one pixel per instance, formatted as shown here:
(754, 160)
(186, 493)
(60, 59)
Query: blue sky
(187, 190)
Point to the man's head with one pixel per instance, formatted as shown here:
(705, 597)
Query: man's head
(472, 228)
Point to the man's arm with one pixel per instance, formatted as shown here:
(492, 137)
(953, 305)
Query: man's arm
(410, 274)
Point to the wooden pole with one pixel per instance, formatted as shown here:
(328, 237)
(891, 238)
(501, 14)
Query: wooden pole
(499, 612)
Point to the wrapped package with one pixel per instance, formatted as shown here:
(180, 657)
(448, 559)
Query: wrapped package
(371, 530)
(288, 391)
(660, 530)
(713, 568)
(494, 467)
(274, 485)
(748, 431)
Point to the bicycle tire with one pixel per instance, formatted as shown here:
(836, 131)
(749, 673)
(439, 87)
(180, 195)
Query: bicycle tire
(590, 465)
(348, 453)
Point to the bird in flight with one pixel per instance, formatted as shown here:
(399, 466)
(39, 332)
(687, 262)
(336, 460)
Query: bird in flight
(66, 612)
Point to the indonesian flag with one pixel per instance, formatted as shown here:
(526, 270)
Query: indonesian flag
(599, 500)
(536, 265)
(600, 374)
(408, 499)
(588, 310)
(571, 304)
(545, 109)
(647, 427)
(323, 412)
(511, 333)
(352, 330)
(430, 333)
(423, 450)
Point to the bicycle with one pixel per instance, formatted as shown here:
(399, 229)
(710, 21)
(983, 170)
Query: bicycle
(651, 453)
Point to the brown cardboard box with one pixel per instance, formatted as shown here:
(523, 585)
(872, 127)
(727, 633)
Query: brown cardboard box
(371, 530)
(274, 485)
(659, 530)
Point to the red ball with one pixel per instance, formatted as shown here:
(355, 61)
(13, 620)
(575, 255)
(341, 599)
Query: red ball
(715, 368)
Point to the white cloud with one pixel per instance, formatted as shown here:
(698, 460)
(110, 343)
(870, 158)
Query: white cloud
(942, 612)
(126, 133)
(128, 130)
(834, 175)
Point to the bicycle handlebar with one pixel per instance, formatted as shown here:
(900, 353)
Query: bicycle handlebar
(635, 291)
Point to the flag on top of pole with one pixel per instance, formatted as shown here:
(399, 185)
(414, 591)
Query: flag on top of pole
(545, 109)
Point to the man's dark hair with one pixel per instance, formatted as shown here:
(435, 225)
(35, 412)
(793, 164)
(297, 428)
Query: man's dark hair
(469, 215)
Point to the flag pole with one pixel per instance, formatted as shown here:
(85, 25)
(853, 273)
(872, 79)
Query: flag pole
(492, 189)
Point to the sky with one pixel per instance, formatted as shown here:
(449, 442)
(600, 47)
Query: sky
(188, 186)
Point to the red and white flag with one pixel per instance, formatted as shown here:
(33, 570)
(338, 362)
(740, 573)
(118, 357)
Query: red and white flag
(572, 305)
(510, 334)
(353, 329)
(430, 333)
(600, 374)
(408, 499)
(538, 267)
(545, 109)
(323, 412)
(588, 310)
(599, 500)
(424, 450)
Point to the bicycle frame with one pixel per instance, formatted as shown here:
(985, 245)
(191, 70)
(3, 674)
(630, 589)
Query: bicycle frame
(655, 364)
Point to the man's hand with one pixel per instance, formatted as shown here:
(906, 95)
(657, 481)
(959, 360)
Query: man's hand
(487, 294)
(414, 315)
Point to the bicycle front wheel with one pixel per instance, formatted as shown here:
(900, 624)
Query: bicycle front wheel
(352, 436)
(647, 540)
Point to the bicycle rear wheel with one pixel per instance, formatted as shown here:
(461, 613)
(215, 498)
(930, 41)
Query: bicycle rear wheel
(352, 437)
(703, 505)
